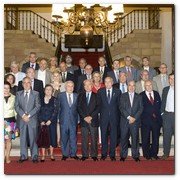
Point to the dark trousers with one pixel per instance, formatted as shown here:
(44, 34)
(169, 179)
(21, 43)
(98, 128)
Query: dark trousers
(106, 129)
(150, 150)
(168, 131)
(93, 131)
(126, 131)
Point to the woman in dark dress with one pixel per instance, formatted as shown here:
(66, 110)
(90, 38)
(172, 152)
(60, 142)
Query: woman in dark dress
(48, 118)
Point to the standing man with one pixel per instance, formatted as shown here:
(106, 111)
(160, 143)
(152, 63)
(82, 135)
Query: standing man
(151, 121)
(66, 76)
(140, 84)
(31, 63)
(167, 108)
(87, 75)
(68, 118)
(81, 70)
(43, 73)
(102, 68)
(129, 69)
(145, 66)
(161, 79)
(109, 117)
(114, 74)
(88, 108)
(27, 106)
(131, 108)
(36, 85)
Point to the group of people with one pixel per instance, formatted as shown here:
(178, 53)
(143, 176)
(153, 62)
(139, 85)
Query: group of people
(45, 102)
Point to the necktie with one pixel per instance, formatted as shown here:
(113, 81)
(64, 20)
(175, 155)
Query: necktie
(64, 77)
(123, 89)
(109, 96)
(129, 72)
(131, 99)
(32, 65)
(151, 98)
(26, 101)
(87, 99)
(117, 76)
(70, 100)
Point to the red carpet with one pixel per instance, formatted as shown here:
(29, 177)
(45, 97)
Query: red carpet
(89, 167)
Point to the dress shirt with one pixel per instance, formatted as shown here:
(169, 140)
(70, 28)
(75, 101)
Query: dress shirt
(142, 84)
(163, 80)
(147, 94)
(125, 87)
(18, 77)
(170, 100)
(101, 69)
(42, 76)
(146, 68)
(88, 76)
(128, 68)
(89, 95)
(71, 95)
(33, 65)
(131, 97)
(110, 92)
(116, 72)
(27, 93)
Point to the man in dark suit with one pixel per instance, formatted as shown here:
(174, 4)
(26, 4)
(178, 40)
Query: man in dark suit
(81, 70)
(68, 118)
(102, 68)
(88, 108)
(109, 117)
(66, 76)
(168, 116)
(36, 85)
(87, 75)
(31, 63)
(114, 74)
(27, 106)
(151, 121)
(131, 108)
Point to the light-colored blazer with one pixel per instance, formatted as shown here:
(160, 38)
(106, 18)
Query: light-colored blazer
(158, 81)
(48, 76)
(9, 110)
(139, 88)
(33, 107)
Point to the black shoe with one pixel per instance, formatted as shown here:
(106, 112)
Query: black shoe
(122, 159)
(155, 158)
(137, 159)
(84, 158)
(42, 160)
(148, 158)
(103, 158)
(113, 158)
(64, 158)
(35, 160)
(21, 160)
(164, 157)
(94, 158)
(75, 157)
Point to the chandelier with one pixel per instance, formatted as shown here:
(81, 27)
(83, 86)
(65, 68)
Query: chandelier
(87, 19)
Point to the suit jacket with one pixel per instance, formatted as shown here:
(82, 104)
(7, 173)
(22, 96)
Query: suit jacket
(106, 70)
(27, 65)
(149, 109)
(48, 76)
(117, 86)
(164, 98)
(80, 86)
(109, 112)
(158, 81)
(113, 76)
(134, 73)
(139, 88)
(38, 86)
(67, 115)
(152, 73)
(91, 109)
(126, 109)
(33, 107)
(69, 77)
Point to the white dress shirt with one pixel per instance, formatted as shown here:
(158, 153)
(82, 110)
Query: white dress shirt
(42, 76)
(147, 94)
(116, 72)
(101, 69)
(146, 68)
(27, 93)
(89, 95)
(33, 65)
(110, 92)
(125, 87)
(131, 97)
(170, 100)
(142, 84)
